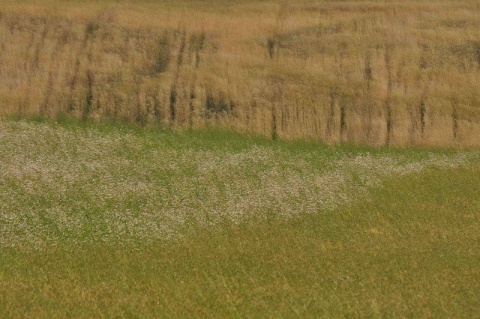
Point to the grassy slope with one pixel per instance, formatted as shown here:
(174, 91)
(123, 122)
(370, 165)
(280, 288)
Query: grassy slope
(409, 248)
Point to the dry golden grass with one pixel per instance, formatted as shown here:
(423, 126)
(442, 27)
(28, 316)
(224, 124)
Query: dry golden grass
(372, 72)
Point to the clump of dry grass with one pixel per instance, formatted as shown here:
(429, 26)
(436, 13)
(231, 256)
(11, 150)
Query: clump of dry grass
(377, 73)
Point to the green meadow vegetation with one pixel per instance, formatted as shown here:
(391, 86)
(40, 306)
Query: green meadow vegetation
(239, 159)
(119, 221)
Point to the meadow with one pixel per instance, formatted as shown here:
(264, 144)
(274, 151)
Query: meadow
(369, 72)
(241, 158)
(119, 221)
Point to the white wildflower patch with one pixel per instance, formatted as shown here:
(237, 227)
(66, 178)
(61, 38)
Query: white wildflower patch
(59, 185)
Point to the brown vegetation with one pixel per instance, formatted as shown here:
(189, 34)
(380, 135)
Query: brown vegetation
(398, 73)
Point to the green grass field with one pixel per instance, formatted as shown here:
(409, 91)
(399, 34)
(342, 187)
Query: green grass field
(116, 221)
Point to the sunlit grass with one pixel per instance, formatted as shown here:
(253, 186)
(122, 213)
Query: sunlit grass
(116, 221)
(371, 72)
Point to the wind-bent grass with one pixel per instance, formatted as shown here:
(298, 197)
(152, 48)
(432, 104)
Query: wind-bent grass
(120, 222)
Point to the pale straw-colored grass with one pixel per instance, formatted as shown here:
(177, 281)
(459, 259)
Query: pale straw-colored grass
(402, 73)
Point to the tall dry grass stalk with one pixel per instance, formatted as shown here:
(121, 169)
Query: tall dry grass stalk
(398, 73)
